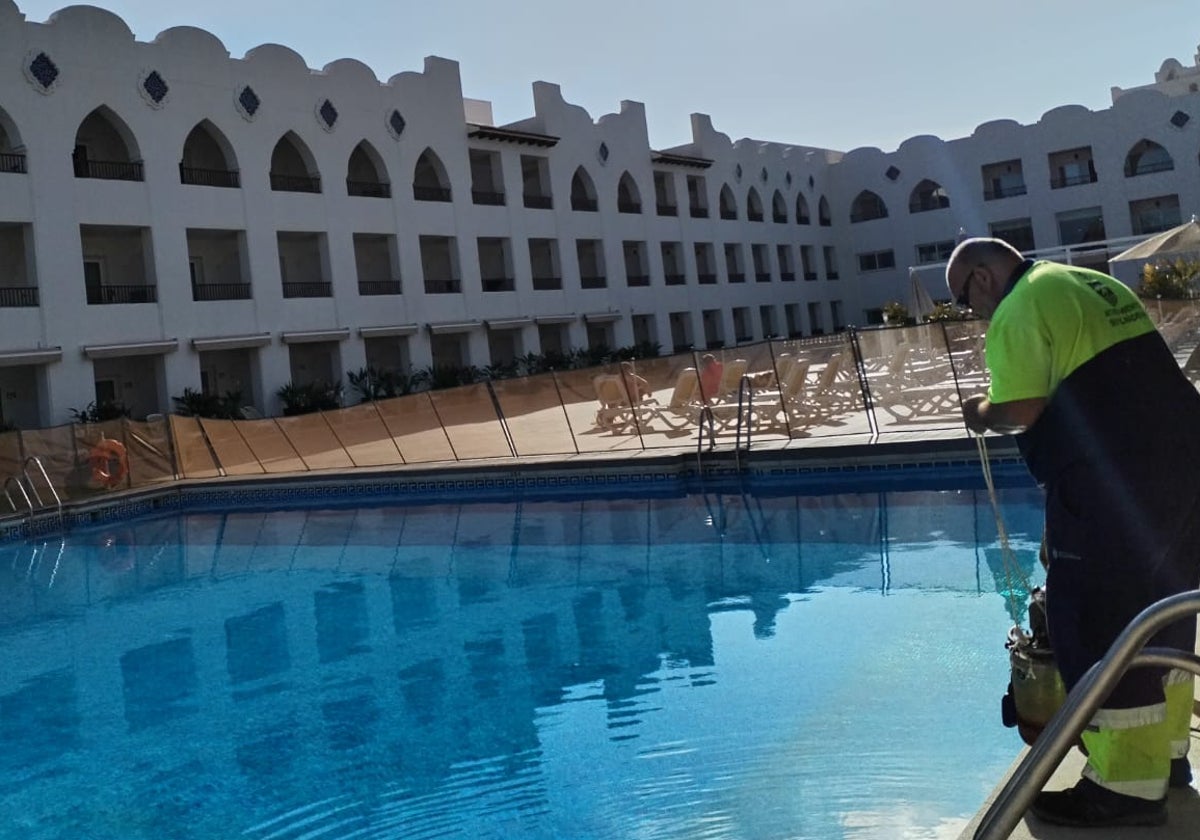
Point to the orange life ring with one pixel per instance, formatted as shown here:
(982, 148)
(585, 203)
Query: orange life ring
(110, 463)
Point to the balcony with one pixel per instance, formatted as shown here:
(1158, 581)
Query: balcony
(485, 197)
(629, 207)
(706, 278)
(1004, 192)
(195, 176)
(220, 291)
(593, 281)
(762, 277)
(666, 209)
(547, 283)
(368, 189)
(1058, 182)
(787, 276)
(729, 215)
(108, 170)
(295, 183)
(676, 279)
(831, 275)
(698, 212)
(443, 286)
(371, 288)
(779, 218)
(10, 162)
(140, 293)
(585, 205)
(431, 193)
(810, 275)
(737, 277)
(311, 289)
(637, 280)
(498, 284)
(754, 215)
(11, 296)
(537, 201)
(1132, 169)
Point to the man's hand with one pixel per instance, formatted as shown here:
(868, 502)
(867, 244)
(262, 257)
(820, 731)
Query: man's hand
(972, 409)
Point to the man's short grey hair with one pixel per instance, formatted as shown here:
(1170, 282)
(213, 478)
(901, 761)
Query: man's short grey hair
(981, 249)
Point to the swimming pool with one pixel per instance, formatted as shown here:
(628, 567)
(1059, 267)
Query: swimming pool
(715, 665)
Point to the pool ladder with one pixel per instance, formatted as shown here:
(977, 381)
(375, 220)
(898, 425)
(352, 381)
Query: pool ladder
(1128, 651)
(25, 485)
(745, 408)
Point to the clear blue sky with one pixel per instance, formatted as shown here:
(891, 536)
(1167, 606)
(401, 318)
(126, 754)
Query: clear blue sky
(842, 74)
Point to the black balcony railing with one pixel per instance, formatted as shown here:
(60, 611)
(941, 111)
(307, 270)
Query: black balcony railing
(629, 207)
(547, 283)
(754, 215)
(1133, 169)
(443, 286)
(698, 212)
(803, 219)
(762, 277)
(787, 276)
(666, 209)
(141, 293)
(584, 204)
(309, 289)
(11, 162)
(867, 216)
(220, 291)
(737, 277)
(378, 287)
(706, 278)
(18, 296)
(810, 275)
(779, 218)
(295, 183)
(676, 279)
(431, 193)
(831, 275)
(109, 170)
(368, 189)
(538, 202)
(195, 176)
(926, 203)
(1058, 182)
(1003, 192)
(498, 284)
(492, 199)
(637, 280)
(728, 215)
(593, 281)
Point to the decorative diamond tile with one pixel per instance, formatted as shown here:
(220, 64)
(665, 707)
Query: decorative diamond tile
(155, 87)
(249, 100)
(1179, 119)
(892, 173)
(604, 153)
(764, 174)
(397, 123)
(43, 70)
(788, 179)
(328, 113)
(737, 172)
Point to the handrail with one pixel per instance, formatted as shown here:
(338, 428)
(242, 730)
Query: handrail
(746, 399)
(1069, 721)
(37, 462)
(21, 487)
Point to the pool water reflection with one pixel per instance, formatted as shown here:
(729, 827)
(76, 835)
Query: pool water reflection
(709, 666)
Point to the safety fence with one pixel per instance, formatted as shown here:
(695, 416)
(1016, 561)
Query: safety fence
(871, 382)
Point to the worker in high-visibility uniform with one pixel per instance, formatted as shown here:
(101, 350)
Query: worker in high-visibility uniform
(1110, 427)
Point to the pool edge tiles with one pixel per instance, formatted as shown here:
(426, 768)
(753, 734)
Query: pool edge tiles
(836, 468)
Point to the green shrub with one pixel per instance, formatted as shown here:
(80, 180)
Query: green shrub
(197, 404)
(1170, 279)
(100, 412)
(305, 399)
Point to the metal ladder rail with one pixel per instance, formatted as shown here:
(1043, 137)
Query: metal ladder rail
(744, 410)
(12, 479)
(1128, 651)
(37, 462)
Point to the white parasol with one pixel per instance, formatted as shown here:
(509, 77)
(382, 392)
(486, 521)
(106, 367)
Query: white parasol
(1178, 241)
(920, 304)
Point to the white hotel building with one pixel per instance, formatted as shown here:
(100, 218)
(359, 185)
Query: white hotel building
(173, 217)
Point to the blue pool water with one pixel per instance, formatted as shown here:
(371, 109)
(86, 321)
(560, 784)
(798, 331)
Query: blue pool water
(713, 666)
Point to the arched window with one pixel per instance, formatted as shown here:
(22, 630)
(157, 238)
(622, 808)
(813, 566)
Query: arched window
(629, 200)
(824, 218)
(867, 206)
(12, 150)
(778, 208)
(728, 208)
(927, 195)
(293, 168)
(366, 173)
(1145, 157)
(754, 210)
(105, 148)
(802, 217)
(583, 192)
(429, 178)
(208, 158)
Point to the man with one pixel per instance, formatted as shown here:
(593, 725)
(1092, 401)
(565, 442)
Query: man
(1110, 427)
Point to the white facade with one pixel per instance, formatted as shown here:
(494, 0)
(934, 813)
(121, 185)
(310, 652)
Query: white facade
(172, 217)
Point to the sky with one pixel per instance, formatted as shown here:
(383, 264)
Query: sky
(837, 75)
